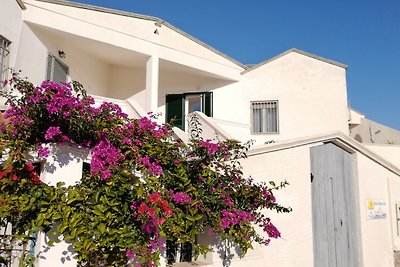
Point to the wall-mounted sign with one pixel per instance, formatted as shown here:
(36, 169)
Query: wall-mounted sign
(376, 209)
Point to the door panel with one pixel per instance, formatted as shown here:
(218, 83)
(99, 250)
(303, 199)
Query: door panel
(335, 208)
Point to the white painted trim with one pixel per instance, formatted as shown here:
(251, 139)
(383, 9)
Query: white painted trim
(338, 138)
(210, 123)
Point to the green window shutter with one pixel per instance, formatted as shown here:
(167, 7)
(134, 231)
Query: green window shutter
(175, 109)
(208, 104)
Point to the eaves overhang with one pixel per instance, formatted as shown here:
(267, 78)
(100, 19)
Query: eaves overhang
(21, 4)
(253, 67)
(338, 138)
(158, 21)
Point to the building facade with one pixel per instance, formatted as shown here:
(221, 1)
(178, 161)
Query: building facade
(294, 106)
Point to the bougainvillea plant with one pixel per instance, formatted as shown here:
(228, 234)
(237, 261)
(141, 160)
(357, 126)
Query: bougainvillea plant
(142, 189)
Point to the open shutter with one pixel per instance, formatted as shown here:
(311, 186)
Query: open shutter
(175, 110)
(208, 104)
(56, 70)
(49, 73)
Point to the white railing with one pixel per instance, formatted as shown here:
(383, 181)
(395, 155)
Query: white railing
(129, 106)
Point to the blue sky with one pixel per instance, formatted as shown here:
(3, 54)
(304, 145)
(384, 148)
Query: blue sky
(365, 35)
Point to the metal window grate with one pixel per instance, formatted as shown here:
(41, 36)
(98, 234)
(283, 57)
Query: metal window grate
(4, 59)
(264, 116)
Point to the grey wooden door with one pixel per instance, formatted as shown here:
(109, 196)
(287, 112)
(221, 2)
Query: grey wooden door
(335, 207)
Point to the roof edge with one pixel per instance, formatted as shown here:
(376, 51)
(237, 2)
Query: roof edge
(145, 17)
(356, 111)
(21, 4)
(337, 138)
(338, 64)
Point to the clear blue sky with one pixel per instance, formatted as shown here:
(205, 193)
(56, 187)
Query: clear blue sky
(365, 35)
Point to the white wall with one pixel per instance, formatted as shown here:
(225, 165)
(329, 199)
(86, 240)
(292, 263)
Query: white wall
(10, 28)
(125, 82)
(378, 238)
(10, 25)
(390, 153)
(296, 246)
(63, 165)
(368, 131)
(311, 93)
(32, 56)
(134, 34)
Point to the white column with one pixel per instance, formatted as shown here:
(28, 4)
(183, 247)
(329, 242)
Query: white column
(152, 72)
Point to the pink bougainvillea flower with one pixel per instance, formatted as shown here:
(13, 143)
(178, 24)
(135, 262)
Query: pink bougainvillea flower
(43, 151)
(52, 132)
(29, 167)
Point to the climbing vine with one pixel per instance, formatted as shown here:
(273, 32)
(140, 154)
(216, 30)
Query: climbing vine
(143, 187)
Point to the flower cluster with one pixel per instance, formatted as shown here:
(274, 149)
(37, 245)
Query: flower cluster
(234, 217)
(105, 158)
(209, 146)
(16, 173)
(152, 167)
(182, 198)
(152, 212)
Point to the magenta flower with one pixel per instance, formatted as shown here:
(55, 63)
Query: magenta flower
(43, 151)
(182, 198)
(52, 132)
(105, 157)
(211, 148)
(152, 167)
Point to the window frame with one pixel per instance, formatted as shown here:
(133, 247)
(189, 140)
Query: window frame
(206, 98)
(50, 69)
(264, 102)
(177, 252)
(5, 51)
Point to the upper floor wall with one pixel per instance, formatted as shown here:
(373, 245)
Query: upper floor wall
(128, 56)
(306, 95)
(10, 24)
(10, 29)
(143, 34)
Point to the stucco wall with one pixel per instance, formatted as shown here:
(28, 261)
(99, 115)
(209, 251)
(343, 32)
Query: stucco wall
(296, 246)
(371, 132)
(311, 93)
(378, 236)
(10, 28)
(63, 165)
(10, 25)
(126, 81)
(32, 56)
(130, 33)
(390, 153)
(139, 28)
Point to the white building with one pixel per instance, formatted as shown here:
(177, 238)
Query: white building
(294, 105)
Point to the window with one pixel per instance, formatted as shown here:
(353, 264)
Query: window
(4, 59)
(56, 70)
(264, 117)
(179, 105)
(177, 252)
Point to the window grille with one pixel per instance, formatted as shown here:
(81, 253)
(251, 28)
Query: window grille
(264, 117)
(4, 59)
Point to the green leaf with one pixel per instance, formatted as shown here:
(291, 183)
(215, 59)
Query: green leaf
(102, 228)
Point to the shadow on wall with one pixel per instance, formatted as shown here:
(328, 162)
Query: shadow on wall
(358, 138)
(226, 251)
